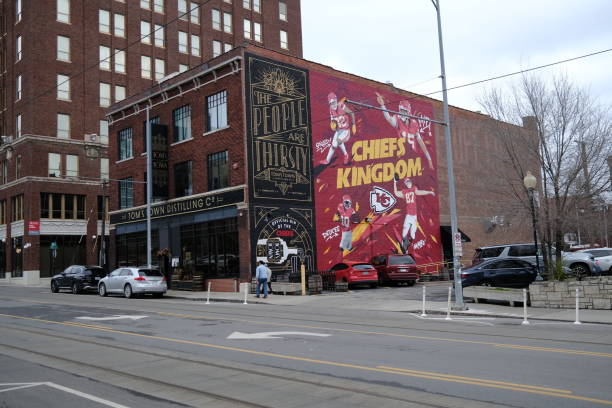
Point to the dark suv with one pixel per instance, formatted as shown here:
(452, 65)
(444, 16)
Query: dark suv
(78, 278)
(394, 268)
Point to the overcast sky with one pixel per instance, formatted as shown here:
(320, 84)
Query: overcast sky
(396, 40)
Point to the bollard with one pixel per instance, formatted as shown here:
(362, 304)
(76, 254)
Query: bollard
(450, 288)
(525, 321)
(246, 292)
(208, 294)
(577, 307)
(423, 314)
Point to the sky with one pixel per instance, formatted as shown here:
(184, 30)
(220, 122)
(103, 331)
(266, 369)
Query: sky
(397, 41)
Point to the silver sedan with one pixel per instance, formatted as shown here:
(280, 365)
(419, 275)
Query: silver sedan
(131, 281)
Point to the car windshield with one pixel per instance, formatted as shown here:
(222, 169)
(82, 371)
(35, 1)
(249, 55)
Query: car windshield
(360, 267)
(149, 272)
(401, 260)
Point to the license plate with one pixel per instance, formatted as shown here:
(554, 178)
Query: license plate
(97, 278)
(402, 269)
(365, 273)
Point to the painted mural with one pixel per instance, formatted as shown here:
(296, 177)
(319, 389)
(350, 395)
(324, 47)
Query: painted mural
(375, 180)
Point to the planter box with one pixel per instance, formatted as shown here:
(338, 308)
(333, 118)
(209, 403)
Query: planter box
(490, 293)
(287, 287)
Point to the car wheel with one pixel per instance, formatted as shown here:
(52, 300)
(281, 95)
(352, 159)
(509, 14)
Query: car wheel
(54, 288)
(127, 291)
(487, 283)
(580, 270)
(410, 283)
(102, 290)
(75, 289)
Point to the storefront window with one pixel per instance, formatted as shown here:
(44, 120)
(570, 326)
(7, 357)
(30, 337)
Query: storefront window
(70, 250)
(17, 244)
(132, 248)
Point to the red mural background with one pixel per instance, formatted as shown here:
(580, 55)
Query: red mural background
(381, 152)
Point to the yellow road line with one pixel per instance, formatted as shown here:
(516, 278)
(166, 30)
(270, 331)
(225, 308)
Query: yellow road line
(397, 371)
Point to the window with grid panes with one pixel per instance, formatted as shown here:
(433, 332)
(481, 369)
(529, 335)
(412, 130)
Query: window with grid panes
(125, 144)
(216, 48)
(181, 123)
(126, 193)
(158, 6)
(227, 47)
(63, 87)
(63, 11)
(18, 81)
(182, 179)
(120, 93)
(218, 170)
(145, 32)
(195, 45)
(283, 40)
(18, 125)
(63, 126)
(54, 163)
(18, 50)
(105, 58)
(160, 68)
(159, 36)
(104, 21)
(63, 48)
(72, 165)
(120, 61)
(104, 131)
(145, 4)
(247, 28)
(153, 121)
(182, 9)
(145, 67)
(257, 32)
(194, 13)
(216, 107)
(3, 212)
(257, 6)
(105, 94)
(216, 19)
(119, 25)
(62, 206)
(282, 10)
(182, 42)
(227, 23)
(17, 208)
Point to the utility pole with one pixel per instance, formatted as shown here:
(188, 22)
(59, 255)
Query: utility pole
(149, 187)
(102, 255)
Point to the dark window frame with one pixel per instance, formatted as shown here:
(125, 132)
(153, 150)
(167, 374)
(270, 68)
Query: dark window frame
(126, 192)
(218, 170)
(183, 179)
(216, 111)
(125, 138)
(181, 123)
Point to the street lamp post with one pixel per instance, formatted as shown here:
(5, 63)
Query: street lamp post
(530, 184)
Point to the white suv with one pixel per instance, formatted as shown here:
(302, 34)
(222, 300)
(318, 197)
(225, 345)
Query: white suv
(603, 258)
(131, 281)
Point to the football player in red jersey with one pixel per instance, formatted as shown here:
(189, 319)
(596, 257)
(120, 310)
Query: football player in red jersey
(408, 195)
(341, 125)
(406, 127)
(347, 215)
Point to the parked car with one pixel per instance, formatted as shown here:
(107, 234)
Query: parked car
(356, 273)
(131, 281)
(395, 269)
(77, 278)
(603, 258)
(505, 273)
(574, 263)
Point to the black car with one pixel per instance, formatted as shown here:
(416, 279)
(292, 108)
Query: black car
(504, 273)
(78, 278)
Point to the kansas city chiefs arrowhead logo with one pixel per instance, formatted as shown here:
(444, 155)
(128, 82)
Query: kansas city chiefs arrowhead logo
(381, 200)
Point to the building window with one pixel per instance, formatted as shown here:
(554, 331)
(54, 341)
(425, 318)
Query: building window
(105, 58)
(227, 23)
(195, 13)
(182, 42)
(182, 179)
(18, 167)
(18, 125)
(160, 69)
(104, 168)
(105, 94)
(145, 32)
(282, 10)
(62, 206)
(246, 4)
(125, 144)
(159, 36)
(145, 4)
(216, 48)
(119, 93)
(217, 111)
(18, 50)
(4, 172)
(227, 47)
(104, 132)
(216, 19)
(183, 67)
(3, 212)
(145, 67)
(257, 32)
(63, 48)
(104, 21)
(17, 208)
(120, 61)
(54, 163)
(182, 10)
(283, 40)
(18, 11)
(158, 6)
(63, 11)
(195, 45)
(72, 165)
(126, 193)
(119, 25)
(247, 28)
(103, 207)
(63, 87)
(181, 123)
(63, 126)
(257, 6)
(152, 121)
(218, 170)
(18, 87)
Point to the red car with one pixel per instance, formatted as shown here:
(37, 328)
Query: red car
(354, 272)
(396, 268)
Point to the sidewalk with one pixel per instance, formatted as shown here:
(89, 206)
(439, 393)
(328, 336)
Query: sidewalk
(344, 300)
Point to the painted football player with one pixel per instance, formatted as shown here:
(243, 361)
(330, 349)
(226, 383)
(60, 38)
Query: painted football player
(408, 196)
(347, 215)
(406, 127)
(341, 125)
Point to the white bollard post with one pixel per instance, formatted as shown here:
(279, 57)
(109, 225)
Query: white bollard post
(448, 311)
(246, 291)
(577, 306)
(525, 321)
(423, 314)
(208, 294)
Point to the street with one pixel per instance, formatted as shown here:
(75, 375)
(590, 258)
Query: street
(147, 352)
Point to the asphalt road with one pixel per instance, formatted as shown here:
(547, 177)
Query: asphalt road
(228, 355)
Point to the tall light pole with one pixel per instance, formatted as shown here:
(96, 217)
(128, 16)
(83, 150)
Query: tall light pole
(149, 187)
(451, 176)
(530, 183)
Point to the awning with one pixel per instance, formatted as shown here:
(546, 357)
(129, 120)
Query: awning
(446, 230)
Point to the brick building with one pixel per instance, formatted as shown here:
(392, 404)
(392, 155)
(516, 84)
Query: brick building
(259, 155)
(62, 63)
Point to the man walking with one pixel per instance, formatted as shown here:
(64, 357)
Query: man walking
(261, 274)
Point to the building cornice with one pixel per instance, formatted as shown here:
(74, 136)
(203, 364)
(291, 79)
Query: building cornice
(59, 180)
(51, 139)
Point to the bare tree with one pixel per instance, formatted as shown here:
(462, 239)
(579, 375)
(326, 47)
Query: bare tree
(569, 142)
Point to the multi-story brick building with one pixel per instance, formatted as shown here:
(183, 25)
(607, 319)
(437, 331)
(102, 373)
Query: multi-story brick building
(259, 155)
(62, 63)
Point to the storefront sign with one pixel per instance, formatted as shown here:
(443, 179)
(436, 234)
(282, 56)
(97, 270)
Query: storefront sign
(33, 227)
(159, 159)
(279, 131)
(186, 206)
